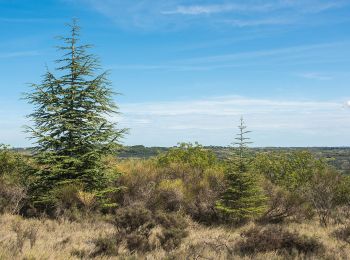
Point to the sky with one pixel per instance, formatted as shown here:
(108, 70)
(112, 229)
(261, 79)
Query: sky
(188, 70)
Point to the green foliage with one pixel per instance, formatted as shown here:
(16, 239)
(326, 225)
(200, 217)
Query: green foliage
(322, 193)
(292, 170)
(71, 128)
(14, 169)
(243, 198)
(193, 155)
(283, 204)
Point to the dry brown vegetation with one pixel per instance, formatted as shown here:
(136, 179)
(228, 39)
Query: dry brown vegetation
(61, 239)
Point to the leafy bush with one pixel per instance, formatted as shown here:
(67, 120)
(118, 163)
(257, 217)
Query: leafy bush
(283, 204)
(190, 154)
(13, 169)
(292, 170)
(322, 193)
(275, 238)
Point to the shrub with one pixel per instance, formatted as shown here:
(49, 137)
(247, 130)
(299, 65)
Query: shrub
(193, 155)
(141, 230)
(11, 197)
(275, 238)
(105, 246)
(133, 217)
(13, 191)
(322, 193)
(169, 195)
(173, 227)
(343, 233)
(283, 204)
(140, 178)
(291, 170)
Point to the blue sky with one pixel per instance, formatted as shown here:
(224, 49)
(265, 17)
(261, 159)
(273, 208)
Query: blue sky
(189, 69)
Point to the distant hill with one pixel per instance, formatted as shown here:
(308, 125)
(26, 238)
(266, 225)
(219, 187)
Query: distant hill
(339, 157)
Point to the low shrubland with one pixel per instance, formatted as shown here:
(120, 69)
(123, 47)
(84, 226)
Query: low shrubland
(184, 204)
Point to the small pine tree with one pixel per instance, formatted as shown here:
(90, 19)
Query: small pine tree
(243, 198)
(70, 120)
(242, 150)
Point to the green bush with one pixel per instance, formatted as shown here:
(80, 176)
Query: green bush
(14, 168)
(190, 154)
(292, 170)
(283, 204)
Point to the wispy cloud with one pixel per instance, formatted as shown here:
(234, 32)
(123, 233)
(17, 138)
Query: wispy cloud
(292, 55)
(315, 75)
(19, 54)
(156, 14)
(202, 9)
(29, 20)
(259, 22)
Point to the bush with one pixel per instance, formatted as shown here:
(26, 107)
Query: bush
(132, 218)
(322, 193)
(193, 155)
(283, 204)
(291, 170)
(13, 189)
(169, 195)
(343, 233)
(173, 227)
(142, 230)
(11, 197)
(275, 238)
(105, 246)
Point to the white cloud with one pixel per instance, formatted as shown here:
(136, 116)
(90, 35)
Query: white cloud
(214, 120)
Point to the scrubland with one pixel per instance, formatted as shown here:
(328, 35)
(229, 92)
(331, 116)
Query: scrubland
(166, 207)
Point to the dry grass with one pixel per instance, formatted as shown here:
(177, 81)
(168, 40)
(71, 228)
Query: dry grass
(51, 239)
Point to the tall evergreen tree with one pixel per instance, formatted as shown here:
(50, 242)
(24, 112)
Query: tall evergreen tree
(71, 128)
(243, 198)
